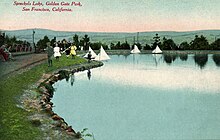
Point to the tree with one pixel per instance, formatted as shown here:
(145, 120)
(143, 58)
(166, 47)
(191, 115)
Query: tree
(147, 47)
(53, 41)
(13, 39)
(10, 40)
(81, 43)
(125, 46)
(199, 43)
(112, 46)
(156, 41)
(118, 45)
(7, 40)
(2, 39)
(42, 43)
(215, 45)
(184, 46)
(86, 42)
(97, 46)
(168, 44)
(76, 40)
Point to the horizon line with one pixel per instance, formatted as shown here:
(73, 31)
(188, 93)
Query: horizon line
(110, 31)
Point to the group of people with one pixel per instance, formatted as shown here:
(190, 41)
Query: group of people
(56, 52)
(5, 52)
(6, 49)
(22, 48)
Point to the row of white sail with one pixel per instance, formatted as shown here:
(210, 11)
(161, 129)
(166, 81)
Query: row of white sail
(156, 50)
(104, 56)
(100, 57)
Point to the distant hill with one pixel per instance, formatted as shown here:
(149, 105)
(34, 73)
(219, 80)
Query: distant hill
(143, 37)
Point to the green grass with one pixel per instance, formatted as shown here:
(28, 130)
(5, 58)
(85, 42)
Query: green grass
(14, 124)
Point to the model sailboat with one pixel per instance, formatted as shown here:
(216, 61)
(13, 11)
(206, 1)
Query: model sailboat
(135, 50)
(92, 53)
(102, 55)
(157, 50)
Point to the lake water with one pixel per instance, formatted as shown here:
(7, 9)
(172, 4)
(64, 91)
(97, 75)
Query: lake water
(144, 96)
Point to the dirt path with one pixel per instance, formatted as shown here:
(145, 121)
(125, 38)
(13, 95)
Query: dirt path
(20, 62)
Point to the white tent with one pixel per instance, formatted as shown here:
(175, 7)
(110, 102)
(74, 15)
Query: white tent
(135, 50)
(157, 50)
(92, 53)
(102, 55)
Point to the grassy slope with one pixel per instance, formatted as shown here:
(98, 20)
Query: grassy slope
(13, 120)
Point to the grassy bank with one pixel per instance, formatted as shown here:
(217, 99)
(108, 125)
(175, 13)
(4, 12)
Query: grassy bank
(14, 124)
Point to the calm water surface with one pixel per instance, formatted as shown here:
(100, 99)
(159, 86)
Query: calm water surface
(143, 96)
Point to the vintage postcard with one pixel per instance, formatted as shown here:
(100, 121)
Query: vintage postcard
(109, 69)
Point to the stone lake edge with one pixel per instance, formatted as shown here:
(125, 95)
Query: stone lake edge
(44, 107)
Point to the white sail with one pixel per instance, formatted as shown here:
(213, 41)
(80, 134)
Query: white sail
(157, 50)
(135, 50)
(92, 53)
(102, 55)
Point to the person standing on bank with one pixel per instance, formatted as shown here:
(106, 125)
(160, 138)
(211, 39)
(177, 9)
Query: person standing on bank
(49, 54)
(73, 51)
(89, 56)
(57, 52)
(67, 52)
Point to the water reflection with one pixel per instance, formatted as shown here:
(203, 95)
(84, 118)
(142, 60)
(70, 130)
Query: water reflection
(72, 79)
(169, 58)
(201, 60)
(144, 99)
(67, 78)
(135, 58)
(157, 58)
(89, 74)
(216, 59)
(126, 55)
(183, 57)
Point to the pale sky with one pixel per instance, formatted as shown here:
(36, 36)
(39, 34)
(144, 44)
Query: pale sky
(116, 16)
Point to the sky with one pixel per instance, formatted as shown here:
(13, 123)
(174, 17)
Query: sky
(115, 15)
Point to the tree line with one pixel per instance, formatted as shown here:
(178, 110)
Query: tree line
(198, 43)
(79, 42)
